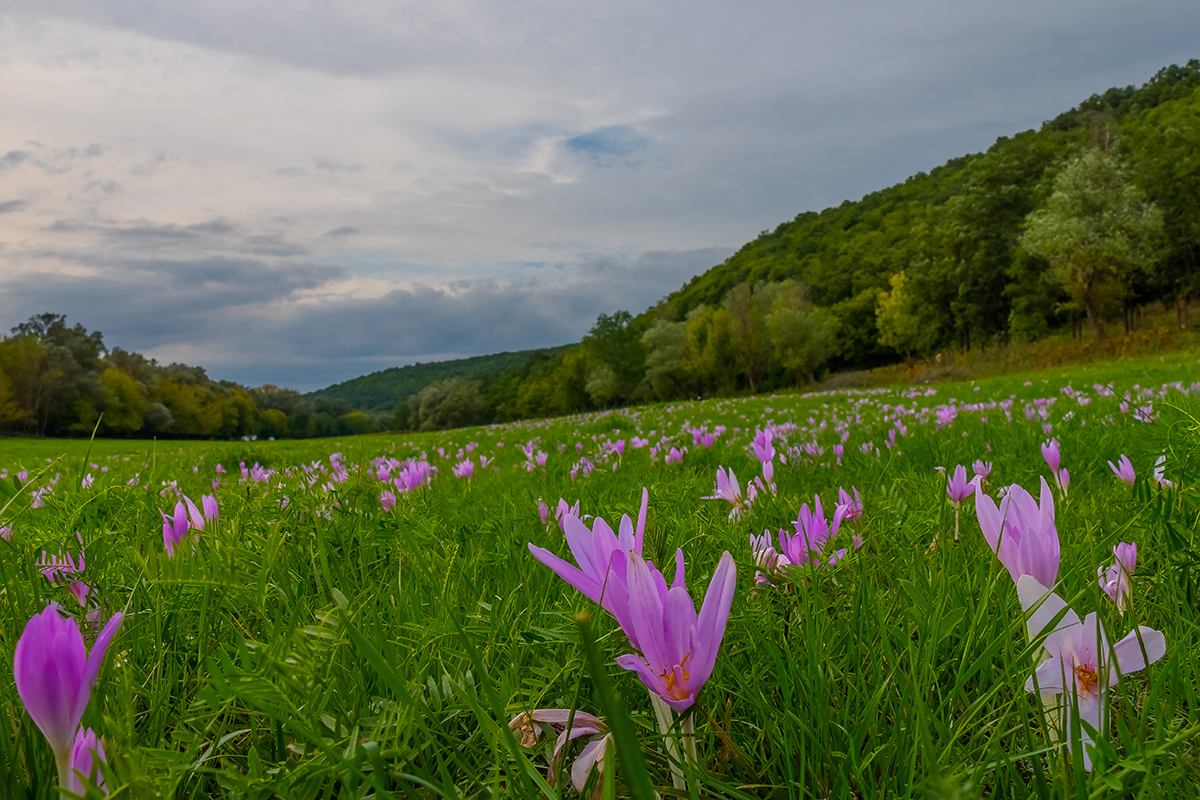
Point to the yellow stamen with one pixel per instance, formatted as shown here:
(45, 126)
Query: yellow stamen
(1087, 677)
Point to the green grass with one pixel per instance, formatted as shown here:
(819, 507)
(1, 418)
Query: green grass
(313, 645)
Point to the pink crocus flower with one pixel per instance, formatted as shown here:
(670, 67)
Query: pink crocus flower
(86, 749)
(763, 450)
(1082, 667)
(209, 504)
(601, 556)
(813, 532)
(727, 489)
(982, 469)
(673, 456)
(1115, 579)
(387, 500)
(544, 512)
(565, 509)
(175, 528)
(678, 646)
(1123, 469)
(464, 469)
(1020, 533)
(851, 508)
(86, 483)
(530, 726)
(54, 674)
(6, 532)
(1051, 453)
(958, 488)
(1064, 479)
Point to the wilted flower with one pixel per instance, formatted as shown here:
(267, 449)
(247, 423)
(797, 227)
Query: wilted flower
(567, 725)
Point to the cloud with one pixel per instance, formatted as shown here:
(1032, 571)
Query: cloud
(11, 205)
(12, 158)
(235, 314)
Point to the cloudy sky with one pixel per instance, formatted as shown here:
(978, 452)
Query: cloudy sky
(299, 191)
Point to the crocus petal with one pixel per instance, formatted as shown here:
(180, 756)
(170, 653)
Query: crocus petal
(194, 514)
(95, 659)
(1129, 655)
(592, 754)
(568, 572)
(714, 614)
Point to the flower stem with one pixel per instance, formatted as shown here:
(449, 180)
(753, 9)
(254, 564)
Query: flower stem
(666, 720)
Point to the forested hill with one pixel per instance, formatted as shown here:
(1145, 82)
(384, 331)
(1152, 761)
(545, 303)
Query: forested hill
(380, 391)
(955, 231)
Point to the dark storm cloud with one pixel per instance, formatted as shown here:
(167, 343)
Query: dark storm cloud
(138, 303)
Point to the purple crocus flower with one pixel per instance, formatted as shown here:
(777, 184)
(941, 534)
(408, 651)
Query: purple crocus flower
(464, 469)
(728, 489)
(957, 485)
(1020, 533)
(387, 500)
(1115, 579)
(1051, 453)
(1079, 665)
(851, 508)
(982, 469)
(1064, 479)
(54, 675)
(602, 558)
(175, 528)
(678, 647)
(1123, 469)
(84, 753)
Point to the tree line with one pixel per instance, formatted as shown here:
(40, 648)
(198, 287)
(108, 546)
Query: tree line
(60, 380)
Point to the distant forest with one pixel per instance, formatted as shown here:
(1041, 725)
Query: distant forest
(1078, 224)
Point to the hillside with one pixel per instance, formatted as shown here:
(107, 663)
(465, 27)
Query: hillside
(380, 391)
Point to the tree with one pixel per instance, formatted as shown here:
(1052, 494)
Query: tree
(748, 309)
(445, 404)
(899, 326)
(666, 348)
(1097, 231)
(125, 405)
(802, 335)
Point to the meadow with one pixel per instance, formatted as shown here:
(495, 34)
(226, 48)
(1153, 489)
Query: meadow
(360, 617)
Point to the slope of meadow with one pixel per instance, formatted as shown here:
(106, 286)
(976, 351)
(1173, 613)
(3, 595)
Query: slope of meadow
(350, 625)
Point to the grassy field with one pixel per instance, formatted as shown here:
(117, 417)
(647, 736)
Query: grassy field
(314, 641)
